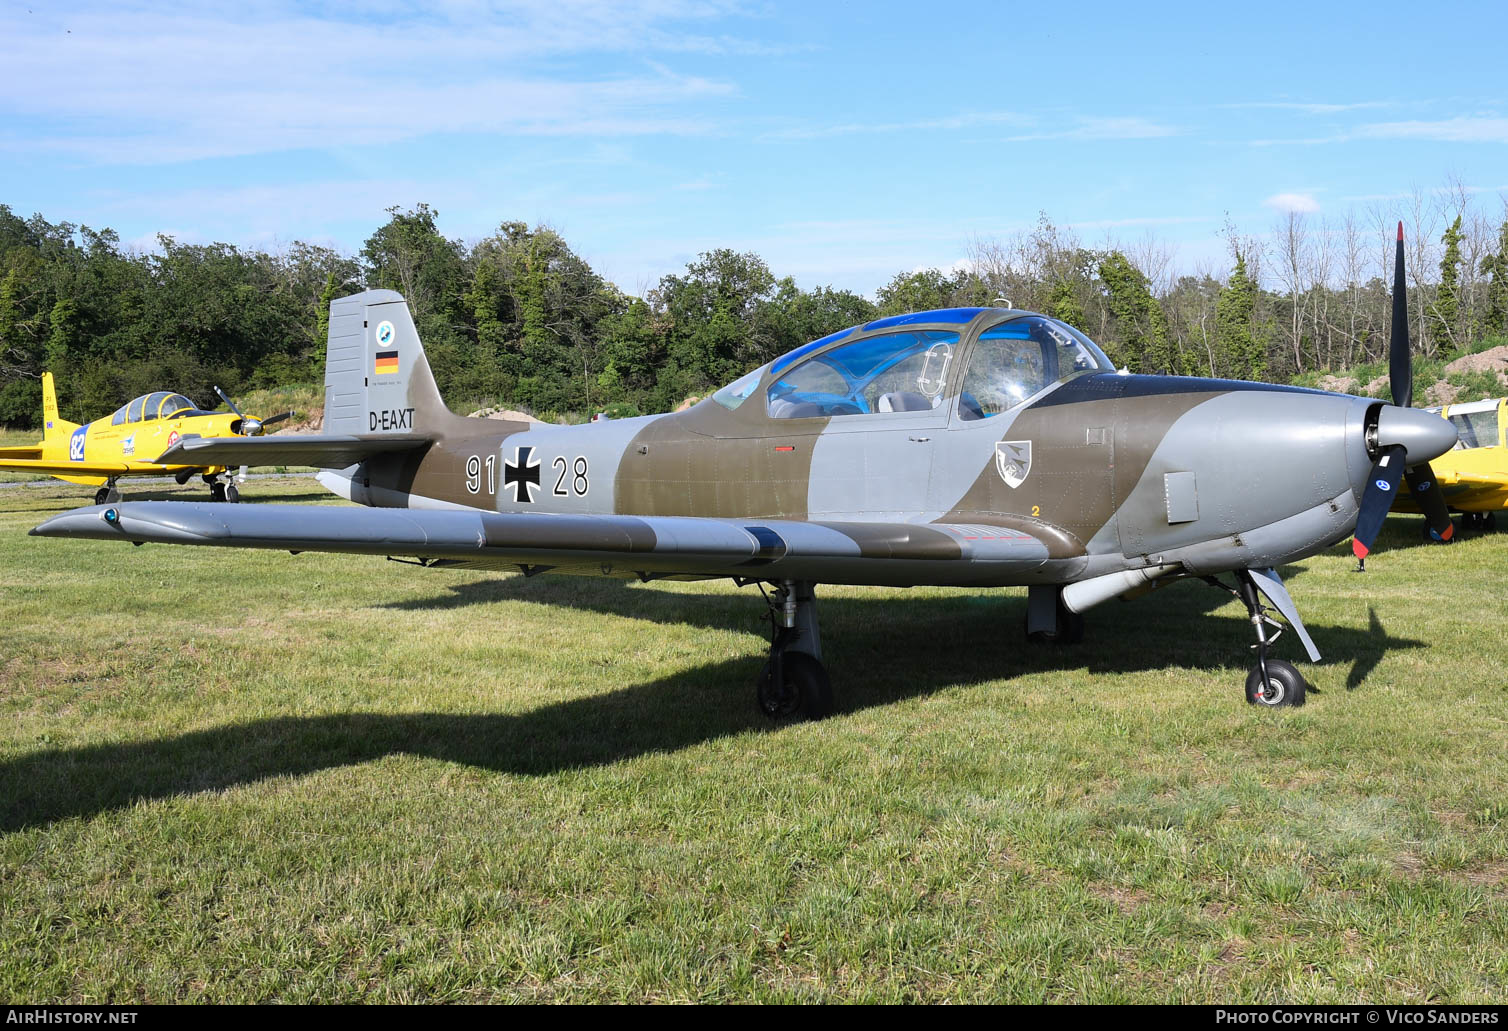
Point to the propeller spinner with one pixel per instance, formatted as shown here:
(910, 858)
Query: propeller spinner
(252, 427)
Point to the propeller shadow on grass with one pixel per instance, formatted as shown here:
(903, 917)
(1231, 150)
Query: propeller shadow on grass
(882, 650)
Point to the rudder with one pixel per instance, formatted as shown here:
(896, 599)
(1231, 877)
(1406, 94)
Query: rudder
(52, 425)
(377, 379)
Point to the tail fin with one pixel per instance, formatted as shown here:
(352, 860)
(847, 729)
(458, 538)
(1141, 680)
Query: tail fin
(377, 379)
(52, 426)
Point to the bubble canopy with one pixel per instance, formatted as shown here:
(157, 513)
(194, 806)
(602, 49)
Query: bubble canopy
(163, 404)
(905, 364)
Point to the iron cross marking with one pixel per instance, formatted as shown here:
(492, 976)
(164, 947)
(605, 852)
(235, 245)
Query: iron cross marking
(522, 474)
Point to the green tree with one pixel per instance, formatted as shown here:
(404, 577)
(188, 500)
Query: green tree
(1495, 269)
(1145, 344)
(1238, 351)
(1447, 307)
(922, 290)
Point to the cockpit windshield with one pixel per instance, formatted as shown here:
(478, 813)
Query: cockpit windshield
(737, 392)
(174, 404)
(1018, 358)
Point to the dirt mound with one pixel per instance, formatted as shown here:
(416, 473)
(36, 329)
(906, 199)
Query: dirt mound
(507, 414)
(687, 403)
(1441, 393)
(313, 423)
(1338, 384)
(1494, 359)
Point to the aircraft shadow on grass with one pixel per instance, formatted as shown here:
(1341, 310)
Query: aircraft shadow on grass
(884, 649)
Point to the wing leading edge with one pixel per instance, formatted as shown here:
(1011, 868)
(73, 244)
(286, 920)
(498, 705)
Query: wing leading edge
(896, 554)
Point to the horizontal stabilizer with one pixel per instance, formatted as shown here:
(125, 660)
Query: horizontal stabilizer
(321, 451)
(600, 544)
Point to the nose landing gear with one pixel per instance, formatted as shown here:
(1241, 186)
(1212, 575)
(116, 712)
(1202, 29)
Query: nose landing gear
(1274, 682)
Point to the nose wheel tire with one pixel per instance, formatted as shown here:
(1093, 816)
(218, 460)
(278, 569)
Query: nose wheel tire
(231, 494)
(801, 689)
(1285, 686)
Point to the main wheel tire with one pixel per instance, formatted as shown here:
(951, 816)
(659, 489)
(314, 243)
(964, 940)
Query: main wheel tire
(1285, 685)
(1489, 522)
(806, 690)
(102, 496)
(1069, 629)
(217, 492)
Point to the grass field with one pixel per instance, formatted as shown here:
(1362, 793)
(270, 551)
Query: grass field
(251, 776)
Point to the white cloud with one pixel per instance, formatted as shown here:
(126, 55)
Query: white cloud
(161, 84)
(1302, 203)
(1104, 129)
(1449, 130)
(1312, 108)
(951, 122)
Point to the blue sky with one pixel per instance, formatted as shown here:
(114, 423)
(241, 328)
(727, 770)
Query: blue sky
(843, 142)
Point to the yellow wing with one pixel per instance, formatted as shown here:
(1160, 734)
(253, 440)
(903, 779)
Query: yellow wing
(1471, 478)
(55, 468)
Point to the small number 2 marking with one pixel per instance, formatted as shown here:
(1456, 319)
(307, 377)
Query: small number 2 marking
(1036, 510)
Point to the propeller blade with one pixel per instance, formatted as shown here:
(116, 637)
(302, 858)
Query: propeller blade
(1431, 501)
(279, 417)
(1382, 486)
(1400, 358)
(224, 397)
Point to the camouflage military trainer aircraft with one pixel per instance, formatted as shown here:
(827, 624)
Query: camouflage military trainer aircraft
(978, 447)
(126, 443)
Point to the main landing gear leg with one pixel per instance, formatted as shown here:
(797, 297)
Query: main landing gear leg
(221, 491)
(1273, 682)
(108, 494)
(1048, 620)
(793, 681)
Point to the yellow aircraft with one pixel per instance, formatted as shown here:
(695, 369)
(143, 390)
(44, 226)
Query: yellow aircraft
(125, 443)
(1474, 475)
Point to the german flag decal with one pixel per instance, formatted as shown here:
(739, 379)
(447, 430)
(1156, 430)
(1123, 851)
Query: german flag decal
(387, 363)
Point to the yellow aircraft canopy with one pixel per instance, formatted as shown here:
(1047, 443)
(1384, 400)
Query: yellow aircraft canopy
(161, 405)
(1479, 422)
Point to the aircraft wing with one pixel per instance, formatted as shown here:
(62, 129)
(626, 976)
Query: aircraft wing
(50, 468)
(324, 451)
(24, 453)
(1470, 478)
(898, 554)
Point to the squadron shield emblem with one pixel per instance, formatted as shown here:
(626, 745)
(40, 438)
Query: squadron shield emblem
(1013, 460)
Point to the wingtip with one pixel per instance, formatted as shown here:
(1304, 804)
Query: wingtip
(1400, 232)
(1359, 549)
